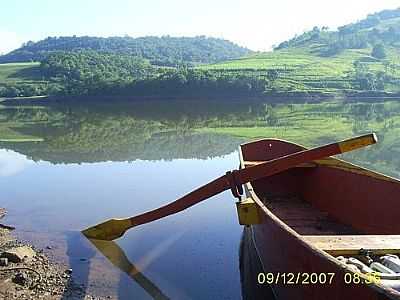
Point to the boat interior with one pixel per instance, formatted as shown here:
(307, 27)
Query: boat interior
(339, 208)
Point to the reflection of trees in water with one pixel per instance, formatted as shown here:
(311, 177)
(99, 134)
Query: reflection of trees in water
(168, 145)
(167, 129)
(383, 157)
(82, 135)
(381, 118)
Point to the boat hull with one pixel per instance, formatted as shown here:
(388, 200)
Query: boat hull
(284, 254)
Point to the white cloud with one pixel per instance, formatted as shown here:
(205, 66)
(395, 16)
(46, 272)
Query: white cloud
(9, 41)
(12, 163)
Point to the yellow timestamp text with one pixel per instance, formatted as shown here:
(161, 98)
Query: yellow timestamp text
(316, 278)
(295, 278)
(356, 278)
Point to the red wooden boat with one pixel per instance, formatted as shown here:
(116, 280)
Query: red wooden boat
(322, 230)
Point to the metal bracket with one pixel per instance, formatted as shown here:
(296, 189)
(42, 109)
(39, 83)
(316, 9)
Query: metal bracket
(248, 212)
(236, 187)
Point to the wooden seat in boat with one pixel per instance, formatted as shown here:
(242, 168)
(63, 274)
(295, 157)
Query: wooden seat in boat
(352, 244)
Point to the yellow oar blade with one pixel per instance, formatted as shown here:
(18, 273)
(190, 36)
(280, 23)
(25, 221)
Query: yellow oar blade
(108, 230)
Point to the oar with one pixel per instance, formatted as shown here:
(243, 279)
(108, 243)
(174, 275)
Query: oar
(115, 228)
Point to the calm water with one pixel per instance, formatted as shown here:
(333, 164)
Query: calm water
(96, 165)
(64, 168)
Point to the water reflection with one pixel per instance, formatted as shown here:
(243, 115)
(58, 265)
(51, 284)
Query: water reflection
(113, 133)
(250, 266)
(119, 259)
(69, 167)
(175, 129)
(62, 198)
(12, 163)
(80, 253)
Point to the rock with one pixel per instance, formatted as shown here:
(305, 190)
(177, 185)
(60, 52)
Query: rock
(69, 271)
(21, 278)
(18, 254)
(49, 247)
(3, 262)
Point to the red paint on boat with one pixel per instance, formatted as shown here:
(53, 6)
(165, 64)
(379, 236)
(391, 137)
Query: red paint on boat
(349, 194)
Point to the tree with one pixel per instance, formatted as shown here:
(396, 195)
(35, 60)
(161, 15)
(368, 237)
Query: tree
(378, 51)
(272, 75)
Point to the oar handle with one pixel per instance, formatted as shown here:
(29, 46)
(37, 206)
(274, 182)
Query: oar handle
(357, 142)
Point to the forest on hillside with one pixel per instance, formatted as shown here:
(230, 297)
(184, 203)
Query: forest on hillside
(89, 72)
(161, 51)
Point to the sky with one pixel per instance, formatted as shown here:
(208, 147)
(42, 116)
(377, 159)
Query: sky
(256, 24)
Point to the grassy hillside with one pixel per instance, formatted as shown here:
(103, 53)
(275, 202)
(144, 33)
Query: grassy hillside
(20, 73)
(359, 57)
(301, 69)
(22, 79)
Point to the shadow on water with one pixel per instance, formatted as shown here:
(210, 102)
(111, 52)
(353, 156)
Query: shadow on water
(250, 266)
(119, 259)
(80, 253)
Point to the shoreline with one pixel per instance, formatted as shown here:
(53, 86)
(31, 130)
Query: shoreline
(27, 272)
(272, 98)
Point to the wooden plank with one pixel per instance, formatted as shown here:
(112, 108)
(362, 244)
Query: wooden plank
(306, 219)
(352, 244)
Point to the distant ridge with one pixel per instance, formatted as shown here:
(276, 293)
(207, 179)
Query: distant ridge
(164, 51)
(378, 28)
(360, 59)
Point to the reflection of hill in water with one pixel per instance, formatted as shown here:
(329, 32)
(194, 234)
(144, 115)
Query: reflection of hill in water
(75, 135)
(165, 146)
(155, 130)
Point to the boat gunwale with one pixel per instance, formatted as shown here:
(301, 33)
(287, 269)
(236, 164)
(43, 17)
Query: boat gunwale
(372, 173)
(387, 291)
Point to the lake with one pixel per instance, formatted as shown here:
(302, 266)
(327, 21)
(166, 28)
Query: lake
(66, 167)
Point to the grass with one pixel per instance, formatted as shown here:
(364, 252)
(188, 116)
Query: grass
(300, 69)
(303, 69)
(20, 73)
(9, 128)
(7, 134)
(310, 124)
(317, 124)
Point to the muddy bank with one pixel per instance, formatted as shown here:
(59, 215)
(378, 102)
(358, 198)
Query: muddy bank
(27, 273)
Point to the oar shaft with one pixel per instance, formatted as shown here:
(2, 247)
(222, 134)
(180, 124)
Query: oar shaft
(253, 173)
(212, 188)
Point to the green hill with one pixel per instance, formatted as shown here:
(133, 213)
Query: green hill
(324, 61)
(164, 51)
(378, 28)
